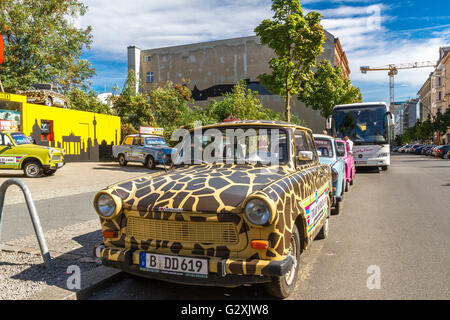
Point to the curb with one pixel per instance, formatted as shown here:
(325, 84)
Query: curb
(92, 280)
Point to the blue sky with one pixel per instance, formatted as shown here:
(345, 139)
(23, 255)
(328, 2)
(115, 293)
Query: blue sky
(373, 33)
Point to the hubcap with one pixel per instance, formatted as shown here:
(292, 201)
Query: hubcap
(32, 170)
(293, 253)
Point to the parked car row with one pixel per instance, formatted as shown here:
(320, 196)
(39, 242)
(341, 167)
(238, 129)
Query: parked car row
(231, 217)
(442, 151)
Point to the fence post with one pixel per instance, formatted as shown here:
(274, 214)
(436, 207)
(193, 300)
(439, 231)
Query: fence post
(33, 214)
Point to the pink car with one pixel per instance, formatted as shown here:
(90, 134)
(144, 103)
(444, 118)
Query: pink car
(345, 154)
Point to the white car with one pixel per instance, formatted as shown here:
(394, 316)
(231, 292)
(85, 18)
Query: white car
(403, 149)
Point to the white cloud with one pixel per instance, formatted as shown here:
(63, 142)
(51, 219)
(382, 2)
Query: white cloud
(156, 23)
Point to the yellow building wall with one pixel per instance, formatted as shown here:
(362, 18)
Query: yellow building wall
(82, 134)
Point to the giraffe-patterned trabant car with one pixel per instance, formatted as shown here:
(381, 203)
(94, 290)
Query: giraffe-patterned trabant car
(240, 203)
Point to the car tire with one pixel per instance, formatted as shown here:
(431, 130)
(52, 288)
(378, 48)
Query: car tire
(122, 161)
(346, 186)
(48, 102)
(150, 163)
(49, 173)
(384, 168)
(282, 287)
(323, 233)
(32, 169)
(337, 208)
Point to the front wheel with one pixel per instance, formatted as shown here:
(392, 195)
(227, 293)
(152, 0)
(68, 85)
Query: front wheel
(150, 163)
(122, 161)
(49, 172)
(32, 169)
(323, 234)
(384, 168)
(282, 287)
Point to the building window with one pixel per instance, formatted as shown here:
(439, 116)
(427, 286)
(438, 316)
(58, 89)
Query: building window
(440, 96)
(148, 59)
(150, 77)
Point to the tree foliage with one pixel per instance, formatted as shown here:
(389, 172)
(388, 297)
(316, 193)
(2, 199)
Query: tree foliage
(327, 89)
(87, 101)
(43, 45)
(426, 130)
(297, 40)
(242, 103)
(133, 108)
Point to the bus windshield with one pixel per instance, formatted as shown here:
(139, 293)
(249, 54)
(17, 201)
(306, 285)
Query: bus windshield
(363, 125)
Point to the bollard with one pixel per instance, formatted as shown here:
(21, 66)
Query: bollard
(33, 214)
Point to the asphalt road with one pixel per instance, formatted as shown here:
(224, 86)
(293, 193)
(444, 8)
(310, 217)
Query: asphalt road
(395, 222)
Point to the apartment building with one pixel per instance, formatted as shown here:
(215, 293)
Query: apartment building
(214, 67)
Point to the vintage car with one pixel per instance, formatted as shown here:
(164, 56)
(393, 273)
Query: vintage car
(343, 149)
(328, 154)
(149, 150)
(46, 94)
(243, 216)
(18, 153)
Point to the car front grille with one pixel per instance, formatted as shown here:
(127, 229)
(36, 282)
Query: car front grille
(56, 158)
(182, 231)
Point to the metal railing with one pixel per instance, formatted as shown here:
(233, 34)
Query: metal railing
(33, 214)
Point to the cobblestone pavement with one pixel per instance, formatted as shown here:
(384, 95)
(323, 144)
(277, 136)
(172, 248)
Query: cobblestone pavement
(22, 271)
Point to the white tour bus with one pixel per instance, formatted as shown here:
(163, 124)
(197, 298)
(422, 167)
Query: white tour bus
(369, 126)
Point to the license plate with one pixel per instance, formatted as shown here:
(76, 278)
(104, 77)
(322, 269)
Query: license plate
(60, 164)
(361, 162)
(185, 266)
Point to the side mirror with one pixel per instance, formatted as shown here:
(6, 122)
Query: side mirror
(305, 155)
(329, 123)
(9, 144)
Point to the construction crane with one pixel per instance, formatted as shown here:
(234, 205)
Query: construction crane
(393, 71)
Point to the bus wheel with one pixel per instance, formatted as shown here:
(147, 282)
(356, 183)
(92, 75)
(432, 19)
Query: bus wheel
(384, 168)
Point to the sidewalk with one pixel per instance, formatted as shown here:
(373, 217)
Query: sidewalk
(23, 273)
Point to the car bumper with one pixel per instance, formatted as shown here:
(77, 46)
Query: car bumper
(373, 163)
(222, 272)
(54, 165)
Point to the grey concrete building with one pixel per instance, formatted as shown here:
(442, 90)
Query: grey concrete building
(214, 67)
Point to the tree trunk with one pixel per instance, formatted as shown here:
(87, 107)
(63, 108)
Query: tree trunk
(288, 108)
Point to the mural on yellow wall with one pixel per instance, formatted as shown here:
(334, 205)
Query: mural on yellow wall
(85, 136)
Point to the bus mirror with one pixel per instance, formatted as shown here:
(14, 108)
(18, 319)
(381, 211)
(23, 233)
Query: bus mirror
(329, 122)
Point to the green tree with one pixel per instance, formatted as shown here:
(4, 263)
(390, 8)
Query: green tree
(43, 45)
(171, 107)
(133, 108)
(241, 103)
(441, 122)
(297, 41)
(87, 101)
(327, 89)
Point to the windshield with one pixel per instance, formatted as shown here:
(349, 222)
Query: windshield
(363, 125)
(324, 147)
(234, 145)
(157, 141)
(20, 138)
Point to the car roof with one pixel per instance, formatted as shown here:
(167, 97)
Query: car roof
(144, 135)
(274, 123)
(316, 135)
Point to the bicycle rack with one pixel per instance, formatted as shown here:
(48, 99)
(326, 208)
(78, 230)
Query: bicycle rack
(33, 214)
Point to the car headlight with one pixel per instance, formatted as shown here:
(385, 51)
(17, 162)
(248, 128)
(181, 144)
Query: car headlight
(258, 212)
(106, 205)
(334, 174)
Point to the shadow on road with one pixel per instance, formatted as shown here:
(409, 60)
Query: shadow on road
(368, 170)
(128, 168)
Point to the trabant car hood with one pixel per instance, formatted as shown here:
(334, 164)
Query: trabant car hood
(328, 161)
(38, 147)
(198, 188)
